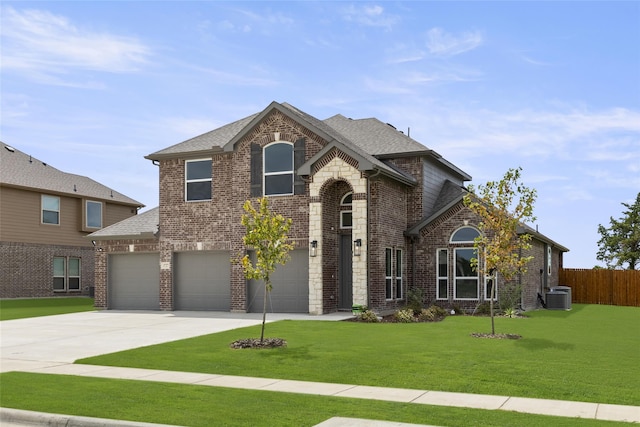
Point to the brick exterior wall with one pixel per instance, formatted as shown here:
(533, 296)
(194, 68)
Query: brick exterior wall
(383, 209)
(26, 269)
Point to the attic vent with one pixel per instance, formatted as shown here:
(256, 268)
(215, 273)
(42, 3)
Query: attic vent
(10, 149)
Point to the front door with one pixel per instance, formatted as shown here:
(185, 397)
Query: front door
(345, 273)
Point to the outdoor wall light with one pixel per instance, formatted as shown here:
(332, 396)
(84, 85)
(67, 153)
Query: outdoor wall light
(357, 247)
(313, 248)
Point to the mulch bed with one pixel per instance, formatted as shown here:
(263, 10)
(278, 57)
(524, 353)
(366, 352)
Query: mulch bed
(255, 343)
(496, 336)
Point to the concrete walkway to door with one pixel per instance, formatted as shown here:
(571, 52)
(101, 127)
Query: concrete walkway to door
(51, 344)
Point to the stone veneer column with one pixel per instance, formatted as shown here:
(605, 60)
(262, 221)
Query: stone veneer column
(315, 263)
(338, 169)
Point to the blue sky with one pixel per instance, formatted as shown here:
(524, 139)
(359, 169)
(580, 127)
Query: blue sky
(553, 87)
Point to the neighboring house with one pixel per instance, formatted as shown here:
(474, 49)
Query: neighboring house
(45, 216)
(375, 214)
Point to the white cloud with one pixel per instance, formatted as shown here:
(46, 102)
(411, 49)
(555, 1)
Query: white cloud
(444, 44)
(47, 46)
(370, 16)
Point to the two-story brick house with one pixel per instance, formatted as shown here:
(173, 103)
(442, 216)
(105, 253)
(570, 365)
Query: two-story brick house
(45, 216)
(375, 213)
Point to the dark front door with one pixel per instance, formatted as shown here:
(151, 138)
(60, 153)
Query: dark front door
(345, 297)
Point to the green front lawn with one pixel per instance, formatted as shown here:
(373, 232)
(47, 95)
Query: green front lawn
(190, 405)
(35, 307)
(588, 354)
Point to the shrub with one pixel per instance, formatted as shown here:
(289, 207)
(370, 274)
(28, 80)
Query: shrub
(404, 316)
(368, 316)
(414, 300)
(432, 314)
(483, 309)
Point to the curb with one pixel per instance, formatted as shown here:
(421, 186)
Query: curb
(21, 417)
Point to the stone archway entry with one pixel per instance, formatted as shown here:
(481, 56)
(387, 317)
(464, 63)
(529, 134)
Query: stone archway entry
(345, 273)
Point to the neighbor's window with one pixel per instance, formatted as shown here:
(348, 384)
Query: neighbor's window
(278, 169)
(93, 216)
(442, 276)
(465, 280)
(346, 212)
(50, 209)
(197, 180)
(66, 274)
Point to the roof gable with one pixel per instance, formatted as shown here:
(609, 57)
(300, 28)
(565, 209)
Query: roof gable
(24, 171)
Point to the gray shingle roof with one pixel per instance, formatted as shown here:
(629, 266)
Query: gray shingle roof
(18, 169)
(144, 225)
(373, 136)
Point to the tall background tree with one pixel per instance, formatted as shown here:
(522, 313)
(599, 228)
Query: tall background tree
(502, 207)
(267, 235)
(620, 243)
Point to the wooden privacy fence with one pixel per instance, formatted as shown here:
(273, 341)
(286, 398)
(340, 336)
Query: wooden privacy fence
(602, 286)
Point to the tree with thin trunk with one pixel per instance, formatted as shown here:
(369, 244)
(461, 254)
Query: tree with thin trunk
(267, 235)
(620, 243)
(503, 206)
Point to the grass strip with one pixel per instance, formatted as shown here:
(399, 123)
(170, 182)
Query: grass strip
(190, 405)
(36, 307)
(588, 354)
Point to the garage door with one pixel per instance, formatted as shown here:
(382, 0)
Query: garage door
(134, 281)
(202, 281)
(290, 293)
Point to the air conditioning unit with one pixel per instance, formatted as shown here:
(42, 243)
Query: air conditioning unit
(558, 300)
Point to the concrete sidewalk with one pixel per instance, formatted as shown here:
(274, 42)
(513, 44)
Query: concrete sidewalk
(559, 408)
(51, 344)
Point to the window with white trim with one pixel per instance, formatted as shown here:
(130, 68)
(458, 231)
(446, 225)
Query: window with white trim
(93, 214)
(465, 278)
(399, 284)
(442, 274)
(465, 234)
(489, 282)
(50, 209)
(278, 169)
(66, 274)
(346, 211)
(393, 274)
(197, 177)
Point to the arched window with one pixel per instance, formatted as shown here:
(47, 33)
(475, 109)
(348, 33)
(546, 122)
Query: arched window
(346, 211)
(278, 169)
(464, 234)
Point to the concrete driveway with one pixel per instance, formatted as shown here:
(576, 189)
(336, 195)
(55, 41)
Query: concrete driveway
(53, 340)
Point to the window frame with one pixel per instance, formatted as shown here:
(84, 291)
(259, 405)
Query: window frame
(344, 211)
(439, 277)
(460, 229)
(399, 282)
(66, 275)
(86, 214)
(43, 210)
(388, 269)
(188, 181)
(266, 174)
(457, 278)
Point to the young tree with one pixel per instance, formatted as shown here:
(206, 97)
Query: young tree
(267, 234)
(502, 207)
(620, 243)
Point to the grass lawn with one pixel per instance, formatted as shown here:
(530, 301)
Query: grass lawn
(216, 406)
(588, 354)
(35, 307)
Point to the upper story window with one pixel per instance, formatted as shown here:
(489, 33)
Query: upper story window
(93, 214)
(278, 169)
(346, 212)
(197, 180)
(50, 209)
(465, 234)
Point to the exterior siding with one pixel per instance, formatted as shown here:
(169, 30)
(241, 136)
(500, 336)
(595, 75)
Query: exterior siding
(27, 247)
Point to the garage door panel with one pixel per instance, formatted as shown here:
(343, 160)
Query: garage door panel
(134, 281)
(290, 293)
(202, 281)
